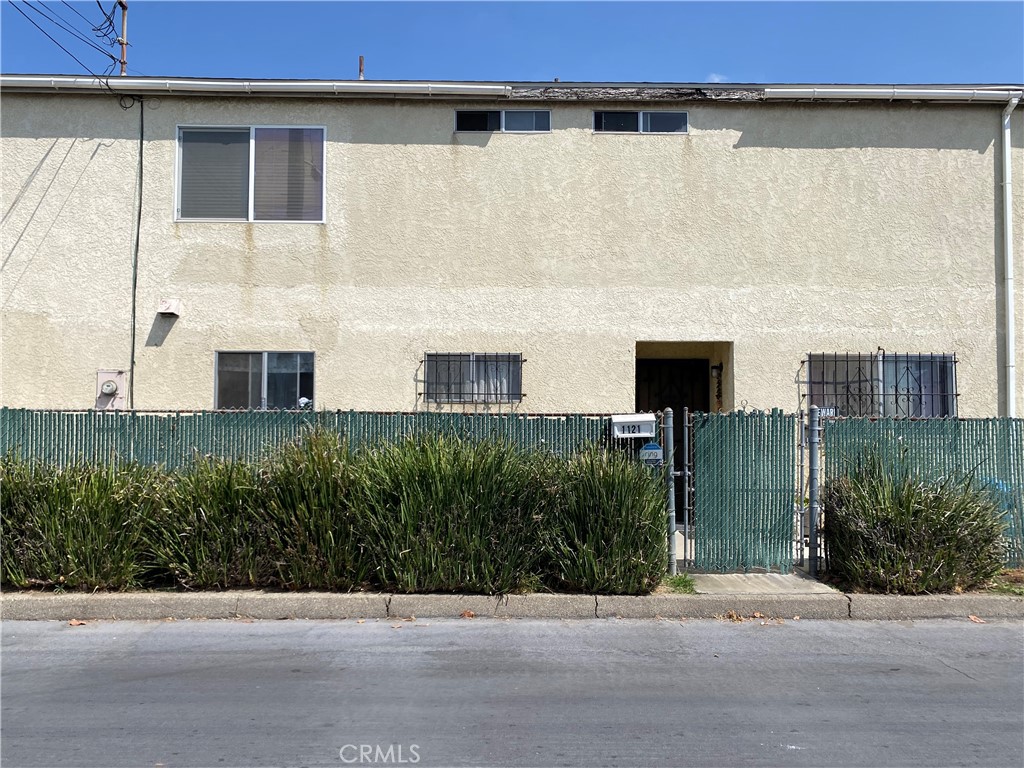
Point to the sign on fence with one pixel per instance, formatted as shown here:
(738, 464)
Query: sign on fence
(634, 425)
(652, 455)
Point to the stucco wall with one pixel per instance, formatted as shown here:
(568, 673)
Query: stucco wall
(780, 229)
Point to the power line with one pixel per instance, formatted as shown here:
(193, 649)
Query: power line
(69, 53)
(106, 27)
(70, 30)
(54, 12)
(81, 16)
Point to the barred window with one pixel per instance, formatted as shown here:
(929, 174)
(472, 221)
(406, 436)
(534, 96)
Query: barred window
(473, 377)
(890, 384)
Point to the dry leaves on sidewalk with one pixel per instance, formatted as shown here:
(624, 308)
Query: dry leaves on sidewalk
(976, 620)
(76, 623)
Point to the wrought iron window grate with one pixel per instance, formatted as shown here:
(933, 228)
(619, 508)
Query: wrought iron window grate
(472, 377)
(880, 384)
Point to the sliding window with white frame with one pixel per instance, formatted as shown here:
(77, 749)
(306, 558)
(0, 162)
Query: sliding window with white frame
(250, 173)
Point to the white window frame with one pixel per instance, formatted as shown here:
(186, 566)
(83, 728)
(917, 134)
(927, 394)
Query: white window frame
(252, 172)
(475, 397)
(501, 122)
(640, 122)
(263, 380)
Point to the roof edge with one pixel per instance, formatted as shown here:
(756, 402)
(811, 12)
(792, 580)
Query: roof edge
(35, 83)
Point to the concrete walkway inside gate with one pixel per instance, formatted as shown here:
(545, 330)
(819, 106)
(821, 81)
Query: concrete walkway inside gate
(796, 583)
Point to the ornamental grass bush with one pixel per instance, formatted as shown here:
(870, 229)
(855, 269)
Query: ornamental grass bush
(310, 523)
(440, 514)
(78, 527)
(209, 531)
(432, 513)
(606, 527)
(890, 530)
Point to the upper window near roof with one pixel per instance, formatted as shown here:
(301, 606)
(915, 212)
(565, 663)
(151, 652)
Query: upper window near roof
(503, 120)
(251, 174)
(640, 122)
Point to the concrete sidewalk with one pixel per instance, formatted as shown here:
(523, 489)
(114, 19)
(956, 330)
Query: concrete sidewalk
(796, 583)
(767, 595)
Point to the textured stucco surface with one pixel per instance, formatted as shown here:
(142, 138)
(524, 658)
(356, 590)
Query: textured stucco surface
(769, 231)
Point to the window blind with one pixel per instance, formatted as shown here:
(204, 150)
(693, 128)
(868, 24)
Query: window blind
(214, 174)
(288, 178)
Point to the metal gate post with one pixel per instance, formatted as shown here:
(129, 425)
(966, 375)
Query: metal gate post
(813, 442)
(688, 553)
(801, 517)
(670, 461)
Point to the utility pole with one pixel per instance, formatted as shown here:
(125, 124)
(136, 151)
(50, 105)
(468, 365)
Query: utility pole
(123, 39)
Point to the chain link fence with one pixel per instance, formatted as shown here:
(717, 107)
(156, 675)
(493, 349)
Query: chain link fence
(991, 451)
(174, 439)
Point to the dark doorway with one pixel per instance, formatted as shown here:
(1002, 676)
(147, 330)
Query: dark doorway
(674, 384)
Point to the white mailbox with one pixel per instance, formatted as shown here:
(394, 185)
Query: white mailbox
(634, 425)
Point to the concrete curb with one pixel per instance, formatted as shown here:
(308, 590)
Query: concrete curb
(936, 606)
(835, 606)
(141, 606)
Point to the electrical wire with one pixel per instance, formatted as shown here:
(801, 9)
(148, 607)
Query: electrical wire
(64, 24)
(81, 16)
(126, 101)
(104, 29)
(42, 11)
(69, 53)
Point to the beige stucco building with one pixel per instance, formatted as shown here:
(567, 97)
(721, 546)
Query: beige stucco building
(535, 247)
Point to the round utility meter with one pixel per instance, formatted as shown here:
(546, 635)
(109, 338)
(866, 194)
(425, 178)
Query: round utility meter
(109, 387)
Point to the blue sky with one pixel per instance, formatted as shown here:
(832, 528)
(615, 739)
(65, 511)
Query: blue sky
(761, 42)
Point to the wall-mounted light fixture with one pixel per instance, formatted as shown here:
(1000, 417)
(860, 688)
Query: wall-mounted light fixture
(716, 374)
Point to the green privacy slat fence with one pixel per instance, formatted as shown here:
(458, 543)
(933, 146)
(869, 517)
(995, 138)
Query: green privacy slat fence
(744, 490)
(175, 439)
(992, 450)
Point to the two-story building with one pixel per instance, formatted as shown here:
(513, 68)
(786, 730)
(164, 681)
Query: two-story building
(543, 247)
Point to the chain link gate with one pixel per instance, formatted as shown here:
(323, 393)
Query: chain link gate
(735, 508)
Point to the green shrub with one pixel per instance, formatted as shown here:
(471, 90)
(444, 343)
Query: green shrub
(209, 531)
(312, 528)
(607, 527)
(889, 530)
(430, 514)
(76, 528)
(446, 515)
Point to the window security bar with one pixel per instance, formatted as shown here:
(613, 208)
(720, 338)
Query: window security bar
(880, 384)
(472, 377)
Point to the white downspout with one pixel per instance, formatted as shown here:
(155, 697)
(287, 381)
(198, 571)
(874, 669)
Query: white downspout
(1010, 372)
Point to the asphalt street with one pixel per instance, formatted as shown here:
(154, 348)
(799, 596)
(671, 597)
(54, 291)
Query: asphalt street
(521, 693)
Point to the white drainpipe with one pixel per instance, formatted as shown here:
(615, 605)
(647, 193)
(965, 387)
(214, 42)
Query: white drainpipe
(1011, 348)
